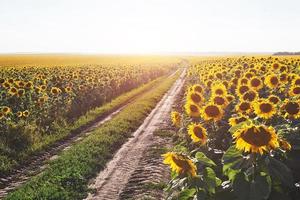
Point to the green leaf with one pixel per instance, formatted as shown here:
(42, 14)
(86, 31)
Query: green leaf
(257, 189)
(233, 129)
(279, 170)
(260, 188)
(201, 157)
(187, 194)
(232, 161)
(210, 181)
(241, 186)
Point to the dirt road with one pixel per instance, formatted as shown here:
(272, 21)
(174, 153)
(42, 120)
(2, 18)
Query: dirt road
(114, 181)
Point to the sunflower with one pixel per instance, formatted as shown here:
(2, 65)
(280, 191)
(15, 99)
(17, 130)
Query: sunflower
(218, 89)
(283, 77)
(176, 118)
(13, 91)
(285, 145)
(220, 100)
(233, 121)
(212, 112)
(6, 110)
(2, 115)
(264, 108)
(29, 85)
(272, 81)
(296, 81)
(19, 114)
(198, 88)
(294, 91)
(291, 109)
(192, 109)
(198, 133)
(244, 107)
(255, 83)
(256, 139)
(6, 85)
(274, 99)
(250, 96)
(20, 92)
(55, 91)
(180, 164)
(195, 97)
(20, 84)
(275, 66)
(230, 98)
(67, 89)
(242, 89)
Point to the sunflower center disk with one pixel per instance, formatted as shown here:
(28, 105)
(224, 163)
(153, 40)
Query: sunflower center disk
(265, 107)
(212, 111)
(198, 132)
(292, 108)
(257, 137)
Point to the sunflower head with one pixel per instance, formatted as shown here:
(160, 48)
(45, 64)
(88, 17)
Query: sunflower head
(6, 110)
(250, 96)
(195, 97)
(218, 89)
(244, 107)
(291, 109)
(2, 115)
(255, 83)
(55, 91)
(13, 91)
(198, 133)
(212, 112)
(220, 100)
(192, 109)
(294, 91)
(274, 99)
(264, 108)
(198, 88)
(180, 164)
(272, 81)
(233, 121)
(285, 145)
(256, 139)
(176, 118)
(242, 89)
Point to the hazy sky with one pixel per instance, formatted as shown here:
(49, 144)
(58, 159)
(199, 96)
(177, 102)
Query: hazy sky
(149, 26)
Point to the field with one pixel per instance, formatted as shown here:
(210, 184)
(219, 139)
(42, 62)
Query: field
(46, 95)
(149, 127)
(237, 130)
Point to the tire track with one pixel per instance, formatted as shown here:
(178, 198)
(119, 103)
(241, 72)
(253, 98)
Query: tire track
(110, 182)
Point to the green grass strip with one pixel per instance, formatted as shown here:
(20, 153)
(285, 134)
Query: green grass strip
(67, 177)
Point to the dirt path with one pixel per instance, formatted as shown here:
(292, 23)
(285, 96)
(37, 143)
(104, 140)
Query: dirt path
(114, 181)
(37, 163)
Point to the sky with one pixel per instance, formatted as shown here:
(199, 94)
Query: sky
(149, 26)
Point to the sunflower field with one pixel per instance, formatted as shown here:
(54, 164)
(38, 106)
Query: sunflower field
(237, 130)
(36, 101)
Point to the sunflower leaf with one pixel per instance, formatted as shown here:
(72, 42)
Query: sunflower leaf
(279, 170)
(187, 194)
(210, 181)
(203, 159)
(232, 161)
(257, 189)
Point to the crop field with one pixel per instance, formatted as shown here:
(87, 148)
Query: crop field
(40, 102)
(237, 130)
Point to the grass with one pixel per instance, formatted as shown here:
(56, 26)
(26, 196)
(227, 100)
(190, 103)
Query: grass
(7, 164)
(67, 177)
